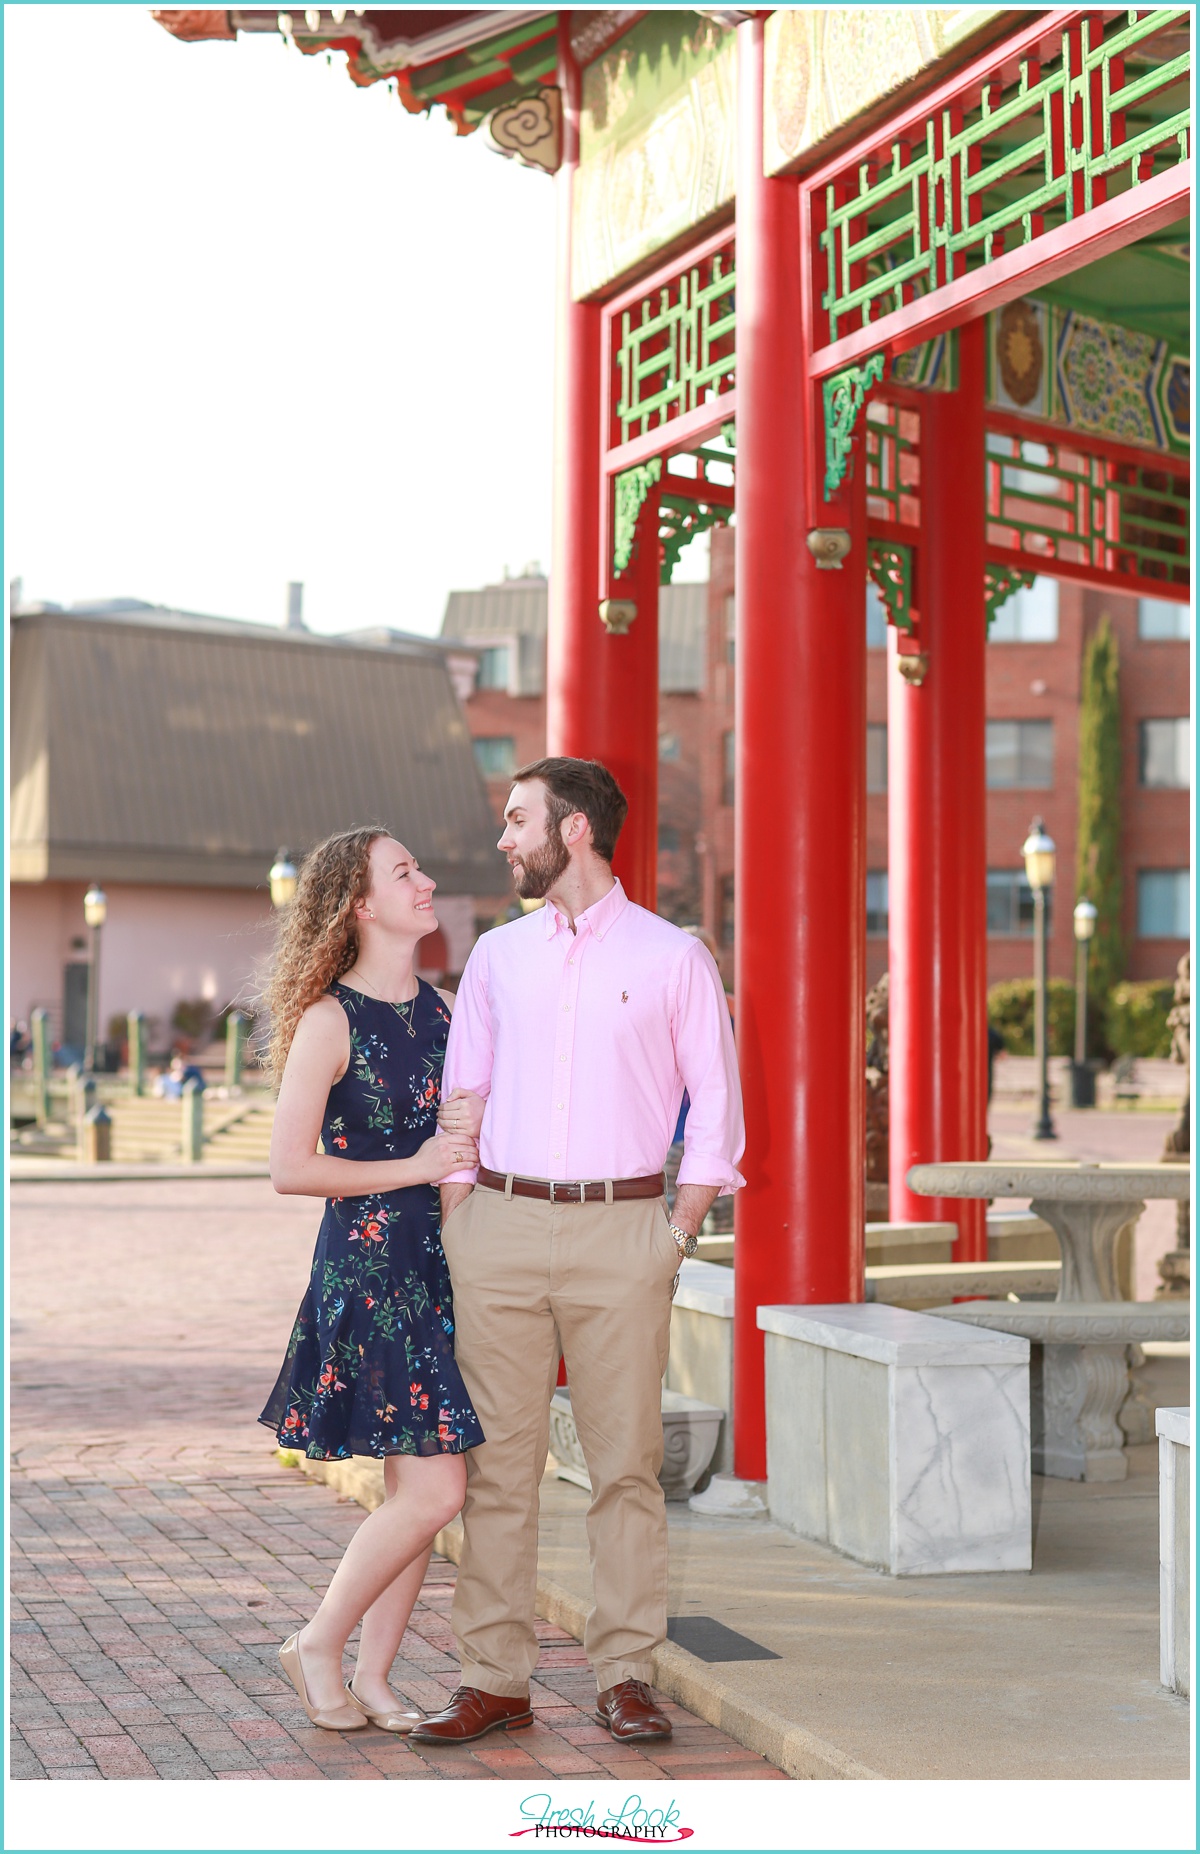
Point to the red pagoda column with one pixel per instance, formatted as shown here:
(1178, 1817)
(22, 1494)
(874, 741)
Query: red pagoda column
(801, 805)
(937, 844)
(599, 704)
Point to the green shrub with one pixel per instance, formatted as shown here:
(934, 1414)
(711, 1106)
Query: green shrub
(1010, 1011)
(192, 1017)
(1136, 1019)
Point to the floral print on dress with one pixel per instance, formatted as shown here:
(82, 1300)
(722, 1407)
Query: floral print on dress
(370, 1367)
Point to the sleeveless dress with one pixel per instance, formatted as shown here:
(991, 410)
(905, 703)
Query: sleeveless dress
(370, 1365)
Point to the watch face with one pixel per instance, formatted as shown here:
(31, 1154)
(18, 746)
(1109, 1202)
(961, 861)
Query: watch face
(691, 1245)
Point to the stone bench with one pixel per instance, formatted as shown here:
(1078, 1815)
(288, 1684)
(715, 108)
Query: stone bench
(894, 1284)
(690, 1430)
(894, 1446)
(1174, 1547)
(701, 1360)
(1079, 1373)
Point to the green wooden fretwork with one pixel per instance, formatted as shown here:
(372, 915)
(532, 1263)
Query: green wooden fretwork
(681, 519)
(630, 490)
(843, 395)
(890, 565)
(1000, 582)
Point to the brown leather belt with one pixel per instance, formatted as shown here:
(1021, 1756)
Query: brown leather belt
(574, 1190)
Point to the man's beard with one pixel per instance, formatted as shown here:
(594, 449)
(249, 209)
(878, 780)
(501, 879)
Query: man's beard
(541, 868)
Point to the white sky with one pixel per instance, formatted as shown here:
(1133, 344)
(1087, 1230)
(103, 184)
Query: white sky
(262, 326)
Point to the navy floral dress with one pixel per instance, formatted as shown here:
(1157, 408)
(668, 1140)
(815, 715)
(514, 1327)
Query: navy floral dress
(370, 1365)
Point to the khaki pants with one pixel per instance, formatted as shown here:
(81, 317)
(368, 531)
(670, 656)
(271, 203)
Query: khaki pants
(594, 1281)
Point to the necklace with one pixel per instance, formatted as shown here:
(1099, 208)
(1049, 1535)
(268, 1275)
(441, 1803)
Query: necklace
(403, 1007)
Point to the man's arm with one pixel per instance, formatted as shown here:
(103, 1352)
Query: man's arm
(713, 1134)
(468, 1052)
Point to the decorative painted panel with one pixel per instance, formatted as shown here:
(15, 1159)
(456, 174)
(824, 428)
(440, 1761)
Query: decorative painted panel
(824, 66)
(1091, 376)
(656, 142)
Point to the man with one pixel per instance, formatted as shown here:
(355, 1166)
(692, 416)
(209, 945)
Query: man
(582, 1024)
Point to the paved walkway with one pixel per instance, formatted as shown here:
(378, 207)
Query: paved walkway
(160, 1553)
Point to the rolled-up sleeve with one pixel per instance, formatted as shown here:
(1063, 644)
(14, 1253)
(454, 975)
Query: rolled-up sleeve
(714, 1134)
(469, 1046)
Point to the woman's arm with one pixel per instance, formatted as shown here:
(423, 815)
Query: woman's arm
(319, 1055)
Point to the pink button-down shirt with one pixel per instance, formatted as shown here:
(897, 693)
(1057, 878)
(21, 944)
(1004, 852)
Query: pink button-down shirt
(584, 1042)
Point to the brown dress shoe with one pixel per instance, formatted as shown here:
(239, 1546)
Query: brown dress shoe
(470, 1713)
(629, 1711)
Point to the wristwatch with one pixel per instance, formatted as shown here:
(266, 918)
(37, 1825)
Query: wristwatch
(686, 1245)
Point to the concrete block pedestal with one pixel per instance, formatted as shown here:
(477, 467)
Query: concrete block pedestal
(1174, 1428)
(895, 1446)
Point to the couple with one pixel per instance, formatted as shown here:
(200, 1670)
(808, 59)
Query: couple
(575, 1032)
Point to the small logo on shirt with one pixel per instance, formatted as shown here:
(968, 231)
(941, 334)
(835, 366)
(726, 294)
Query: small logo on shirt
(624, 997)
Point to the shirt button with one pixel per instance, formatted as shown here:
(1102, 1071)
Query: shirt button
(560, 1106)
(562, 1058)
(558, 1155)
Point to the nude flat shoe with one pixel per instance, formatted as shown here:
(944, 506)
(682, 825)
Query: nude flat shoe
(399, 1722)
(332, 1718)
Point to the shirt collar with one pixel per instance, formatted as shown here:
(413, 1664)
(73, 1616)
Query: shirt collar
(598, 918)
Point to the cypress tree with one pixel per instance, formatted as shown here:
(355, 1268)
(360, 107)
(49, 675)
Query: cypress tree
(1098, 843)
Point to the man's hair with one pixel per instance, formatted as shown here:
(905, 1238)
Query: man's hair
(581, 785)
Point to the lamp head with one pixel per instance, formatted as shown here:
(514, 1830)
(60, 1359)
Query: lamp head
(1085, 920)
(1038, 851)
(95, 906)
(282, 878)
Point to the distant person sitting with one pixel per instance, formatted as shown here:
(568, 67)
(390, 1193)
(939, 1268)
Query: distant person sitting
(170, 1083)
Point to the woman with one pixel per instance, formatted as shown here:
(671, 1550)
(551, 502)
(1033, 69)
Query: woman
(358, 1041)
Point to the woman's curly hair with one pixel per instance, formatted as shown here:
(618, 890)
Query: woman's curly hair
(318, 934)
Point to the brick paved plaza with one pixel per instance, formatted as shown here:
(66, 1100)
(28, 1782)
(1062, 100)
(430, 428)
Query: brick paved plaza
(161, 1554)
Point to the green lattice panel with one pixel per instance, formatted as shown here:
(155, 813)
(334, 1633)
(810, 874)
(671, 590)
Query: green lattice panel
(1005, 165)
(675, 349)
(893, 456)
(1061, 503)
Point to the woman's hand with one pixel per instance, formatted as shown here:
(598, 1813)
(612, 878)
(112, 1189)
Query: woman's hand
(462, 1112)
(443, 1154)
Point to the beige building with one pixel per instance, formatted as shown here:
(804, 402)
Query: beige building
(169, 757)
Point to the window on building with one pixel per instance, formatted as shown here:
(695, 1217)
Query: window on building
(1166, 752)
(1010, 902)
(495, 755)
(730, 628)
(1163, 910)
(493, 667)
(668, 838)
(1028, 616)
(876, 757)
(1020, 753)
(877, 901)
(668, 746)
(730, 764)
(1159, 618)
(876, 619)
(726, 910)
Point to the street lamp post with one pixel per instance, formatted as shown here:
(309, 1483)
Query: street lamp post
(1083, 1077)
(95, 913)
(283, 878)
(1038, 851)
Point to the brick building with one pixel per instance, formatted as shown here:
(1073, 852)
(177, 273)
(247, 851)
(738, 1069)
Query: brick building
(1034, 672)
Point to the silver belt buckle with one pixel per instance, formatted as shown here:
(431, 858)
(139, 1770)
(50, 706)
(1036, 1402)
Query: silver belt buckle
(581, 1187)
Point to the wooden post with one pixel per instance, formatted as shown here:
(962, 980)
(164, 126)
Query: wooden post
(800, 802)
(97, 1136)
(937, 837)
(39, 1025)
(193, 1121)
(137, 1052)
(83, 1101)
(235, 1044)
